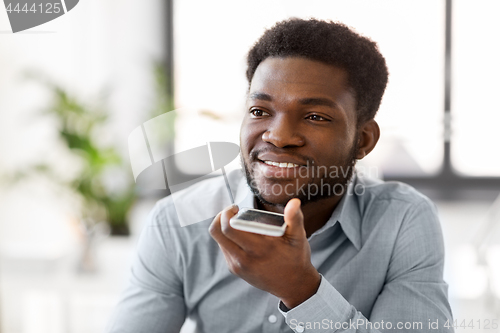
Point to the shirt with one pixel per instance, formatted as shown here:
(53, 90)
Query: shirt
(380, 256)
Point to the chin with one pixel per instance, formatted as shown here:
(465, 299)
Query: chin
(275, 193)
(274, 200)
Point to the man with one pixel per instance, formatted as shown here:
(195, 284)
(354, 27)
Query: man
(357, 254)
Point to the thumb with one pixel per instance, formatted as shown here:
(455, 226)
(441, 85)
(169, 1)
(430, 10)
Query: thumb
(294, 218)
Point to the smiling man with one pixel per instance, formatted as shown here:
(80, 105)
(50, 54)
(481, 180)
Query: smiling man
(358, 255)
(303, 112)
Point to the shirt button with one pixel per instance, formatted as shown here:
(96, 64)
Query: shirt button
(299, 328)
(272, 319)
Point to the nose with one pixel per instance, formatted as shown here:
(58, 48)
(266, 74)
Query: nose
(283, 132)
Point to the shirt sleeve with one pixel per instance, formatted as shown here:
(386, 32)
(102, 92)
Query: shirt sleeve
(414, 296)
(153, 301)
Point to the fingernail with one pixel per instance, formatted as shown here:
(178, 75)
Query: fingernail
(234, 208)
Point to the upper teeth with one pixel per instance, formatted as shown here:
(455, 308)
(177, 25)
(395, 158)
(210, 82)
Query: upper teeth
(282, 165)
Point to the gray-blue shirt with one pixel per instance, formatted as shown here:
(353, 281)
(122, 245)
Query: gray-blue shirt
(380, 255)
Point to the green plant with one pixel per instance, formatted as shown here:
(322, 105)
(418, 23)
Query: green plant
(77, 125)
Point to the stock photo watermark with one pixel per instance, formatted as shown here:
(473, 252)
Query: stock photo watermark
(363, 324)
(170, 170)
(26, 14)
(310, 181)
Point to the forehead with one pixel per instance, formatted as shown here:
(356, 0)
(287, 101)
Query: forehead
(294, 67)
(294, 77)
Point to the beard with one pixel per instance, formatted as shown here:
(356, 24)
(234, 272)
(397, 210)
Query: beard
(335, 183)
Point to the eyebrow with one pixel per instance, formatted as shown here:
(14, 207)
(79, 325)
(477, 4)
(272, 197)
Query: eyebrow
(305, 101)
(262, 96)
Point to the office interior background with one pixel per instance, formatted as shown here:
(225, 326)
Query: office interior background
(64, 260)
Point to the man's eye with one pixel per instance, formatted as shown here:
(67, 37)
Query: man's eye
(316, 117)
(258, 113)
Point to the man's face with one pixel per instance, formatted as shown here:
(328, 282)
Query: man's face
(301, 114)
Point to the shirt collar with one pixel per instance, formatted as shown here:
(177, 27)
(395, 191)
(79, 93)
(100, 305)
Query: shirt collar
(346, 212)
(349, 216)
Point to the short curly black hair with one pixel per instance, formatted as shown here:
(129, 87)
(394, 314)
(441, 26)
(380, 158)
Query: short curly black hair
(331, 43)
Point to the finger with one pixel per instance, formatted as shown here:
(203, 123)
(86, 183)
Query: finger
(231, 251)
(248, 241)
(225, 243)
(226, 215)
(294, 218)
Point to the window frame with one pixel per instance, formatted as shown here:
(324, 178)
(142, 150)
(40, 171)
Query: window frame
(447, 184)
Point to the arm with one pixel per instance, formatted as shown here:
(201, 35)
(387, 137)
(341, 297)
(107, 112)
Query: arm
(153, 301)
(414, 293)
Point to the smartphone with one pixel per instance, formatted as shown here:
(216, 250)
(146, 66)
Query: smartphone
(259, 222)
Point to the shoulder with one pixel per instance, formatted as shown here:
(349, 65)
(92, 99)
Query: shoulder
(395, 199)
(394, 208)
(400, 224)
(372, 189)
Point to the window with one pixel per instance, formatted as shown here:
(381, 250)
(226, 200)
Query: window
(475, 86)
(210, 53)
(438, 114)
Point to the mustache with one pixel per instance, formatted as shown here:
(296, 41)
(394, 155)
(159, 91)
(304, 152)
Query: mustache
(255, 153)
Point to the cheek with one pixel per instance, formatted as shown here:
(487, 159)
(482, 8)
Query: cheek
(329, 148)
(249, 137)
(244, 139)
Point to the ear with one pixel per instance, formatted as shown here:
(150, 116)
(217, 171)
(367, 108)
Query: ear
(368, 135)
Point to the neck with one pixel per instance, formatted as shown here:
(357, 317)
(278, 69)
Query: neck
(316, 213)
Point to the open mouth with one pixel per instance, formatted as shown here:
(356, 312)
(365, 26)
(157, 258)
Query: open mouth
(281, 164)
(278, 170)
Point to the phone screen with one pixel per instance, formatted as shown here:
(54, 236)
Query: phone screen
(262, 217)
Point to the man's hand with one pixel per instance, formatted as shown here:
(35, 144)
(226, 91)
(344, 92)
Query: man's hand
(279, 265)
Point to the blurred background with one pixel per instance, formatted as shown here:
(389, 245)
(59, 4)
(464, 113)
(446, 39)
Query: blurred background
(73, 89)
